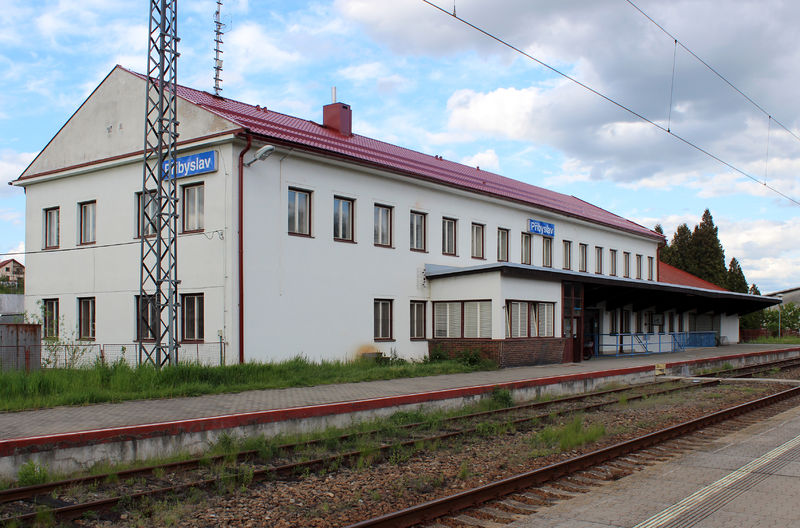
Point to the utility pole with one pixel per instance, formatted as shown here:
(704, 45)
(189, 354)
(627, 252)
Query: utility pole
(157, 303)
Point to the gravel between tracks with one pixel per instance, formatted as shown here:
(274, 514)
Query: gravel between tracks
(349, 495)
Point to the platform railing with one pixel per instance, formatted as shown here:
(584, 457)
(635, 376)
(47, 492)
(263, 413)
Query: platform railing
(655, 343)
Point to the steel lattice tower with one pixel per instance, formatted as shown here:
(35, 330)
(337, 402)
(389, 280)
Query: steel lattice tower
(157, 304)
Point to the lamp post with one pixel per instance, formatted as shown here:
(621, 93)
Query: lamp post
(779, 296)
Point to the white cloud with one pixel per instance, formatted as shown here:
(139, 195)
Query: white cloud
(486, 160)
(16, 252)
(250, 49)
(12, 164)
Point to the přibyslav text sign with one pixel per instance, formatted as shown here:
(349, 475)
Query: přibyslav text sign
(192, 165)
(541, 228)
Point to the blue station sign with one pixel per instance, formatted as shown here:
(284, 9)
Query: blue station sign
(541, 228)
(191, 165)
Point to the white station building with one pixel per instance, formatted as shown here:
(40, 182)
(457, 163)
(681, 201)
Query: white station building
(346, 245)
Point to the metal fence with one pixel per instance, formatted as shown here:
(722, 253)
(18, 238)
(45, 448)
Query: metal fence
(57, 354)
(640, 343)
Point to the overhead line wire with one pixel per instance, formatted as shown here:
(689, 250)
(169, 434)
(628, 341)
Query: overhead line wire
(612, 101)
(707, 65)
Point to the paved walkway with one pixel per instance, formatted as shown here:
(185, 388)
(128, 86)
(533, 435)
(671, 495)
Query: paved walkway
(749, 479)
(102, 416)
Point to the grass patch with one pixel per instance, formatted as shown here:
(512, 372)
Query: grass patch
(120, 382)
(783, 340)
(574, 434)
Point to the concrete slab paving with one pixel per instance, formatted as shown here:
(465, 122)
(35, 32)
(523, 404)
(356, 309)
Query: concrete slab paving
(100, 416)
(769, 498)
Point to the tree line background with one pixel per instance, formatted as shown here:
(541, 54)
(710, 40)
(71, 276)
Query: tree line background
(698, 251)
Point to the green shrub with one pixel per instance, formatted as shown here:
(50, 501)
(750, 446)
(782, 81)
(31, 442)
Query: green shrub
(437, 354)
(469, 358)
(31, 473)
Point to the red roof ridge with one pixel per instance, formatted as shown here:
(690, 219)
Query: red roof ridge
(673, 275)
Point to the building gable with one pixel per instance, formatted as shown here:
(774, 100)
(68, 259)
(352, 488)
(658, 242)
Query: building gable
(110, 124)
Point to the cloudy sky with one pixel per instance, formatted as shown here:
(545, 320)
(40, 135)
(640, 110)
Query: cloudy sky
(421, 79)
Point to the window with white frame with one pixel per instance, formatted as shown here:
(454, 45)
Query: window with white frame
(598, 259)
(299, 212)
(343, 218)
(525, 244)
(612, 257)
(417, 330)
(50, 318)
(547, 252)
(192, 317)
(86, 318)
(476, 321)
(382, 320)
(51, 228)
(477, 241)
(567, 255)
(87, 222)
(418, 241)
(146, 213)
(383, 225)
(502, 245)
(448, 236)
(582, 257)
(193, 207)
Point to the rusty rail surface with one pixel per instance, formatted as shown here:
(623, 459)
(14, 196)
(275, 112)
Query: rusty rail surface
(466, 499)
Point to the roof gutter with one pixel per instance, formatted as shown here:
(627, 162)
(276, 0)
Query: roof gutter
(240, 217)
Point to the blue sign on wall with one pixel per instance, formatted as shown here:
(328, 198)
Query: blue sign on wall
(541, 228)
(192, 165)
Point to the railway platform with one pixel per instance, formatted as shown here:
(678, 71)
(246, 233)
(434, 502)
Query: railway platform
(68, 438)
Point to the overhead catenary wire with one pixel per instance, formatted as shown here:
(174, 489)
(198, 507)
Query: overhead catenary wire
(614, 102)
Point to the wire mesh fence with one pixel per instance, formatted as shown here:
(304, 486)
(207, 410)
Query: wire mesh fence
(58, 354)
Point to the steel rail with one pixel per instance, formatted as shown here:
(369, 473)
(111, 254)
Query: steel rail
(25, 492)
(447, 505)
(750, 370)
(76, 510)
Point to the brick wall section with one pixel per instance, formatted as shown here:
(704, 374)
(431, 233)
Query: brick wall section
(507, 352)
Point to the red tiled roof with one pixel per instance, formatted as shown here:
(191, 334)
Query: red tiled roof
(302, 132)
(3, 263)
(673, 275)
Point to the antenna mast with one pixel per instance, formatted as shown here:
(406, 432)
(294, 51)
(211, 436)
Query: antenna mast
(218, 27)
(157, 224)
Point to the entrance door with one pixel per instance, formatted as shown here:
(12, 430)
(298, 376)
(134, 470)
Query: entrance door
(591, 332)
(572, 320)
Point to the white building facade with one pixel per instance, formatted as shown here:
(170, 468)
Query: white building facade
(348, 245)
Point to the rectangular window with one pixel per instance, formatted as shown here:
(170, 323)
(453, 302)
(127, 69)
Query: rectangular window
(626, 265)
(87, 227)
(418, 232)
(502, 245)
(517, 323)
(638, 266)
(477, 241)
(448, 236)
(192, 317)
(547, 252)
(193, 207)
(146, 317)
(529, 319)
(598, 259)
(525, 243)
(671, 322)
(383, 226)
(343, 219)
(650, 268)
(50, 318)
(417, 320)
(582, 257)
(51, 228)
(146, 213)
(382, 319)
(613, 328)
(680, 322)
(546, 317)
(86, 318)
(612, 256)
(639, 327)
(626, 322)
(567, 255)
(299, 212)
(475, 323)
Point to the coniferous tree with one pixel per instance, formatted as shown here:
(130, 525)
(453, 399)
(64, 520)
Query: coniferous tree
(735, 281)
(707, 258)
(677, 253)
(754, 290)
(658, 229)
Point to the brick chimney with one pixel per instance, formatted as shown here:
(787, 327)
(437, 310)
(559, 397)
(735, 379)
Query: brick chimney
(338, 117)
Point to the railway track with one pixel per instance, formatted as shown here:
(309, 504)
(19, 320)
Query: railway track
(512, 498)
(253, 465)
